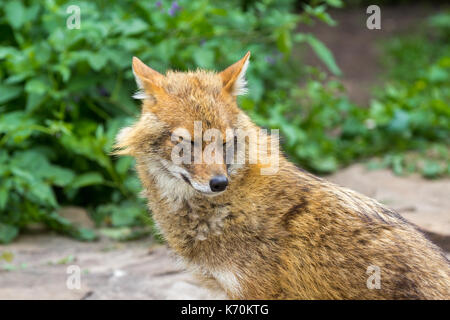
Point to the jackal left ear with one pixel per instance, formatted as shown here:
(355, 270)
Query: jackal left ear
(147, 80)
(233, 77)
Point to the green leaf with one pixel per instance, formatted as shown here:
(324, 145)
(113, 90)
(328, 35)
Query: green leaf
(56, 222)
(97, 60)
(15, 13)
(134, 27)
(335, 3)
(37, 86)
(7, 51)
(85, 234)
(123, 164)
(64, 71)
(44, 193)
(432, 169)
(400, 121)
(204, 58)
(87, 179)
(324, 54)
(8, 92)
(326, 165)
(125, 215)
(60, 176)
(8, 233)
(34, 100)
(284, 42)
(397, 164)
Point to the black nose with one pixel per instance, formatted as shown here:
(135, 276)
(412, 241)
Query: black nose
(218, 183)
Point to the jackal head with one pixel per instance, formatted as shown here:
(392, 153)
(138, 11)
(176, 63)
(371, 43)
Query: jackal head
(187, 128)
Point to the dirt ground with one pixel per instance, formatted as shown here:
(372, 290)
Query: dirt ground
(144, 270)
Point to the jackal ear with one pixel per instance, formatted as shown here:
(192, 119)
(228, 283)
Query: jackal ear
(233, 77)
(147, 80)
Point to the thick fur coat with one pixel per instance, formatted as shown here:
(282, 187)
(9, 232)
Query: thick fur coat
(288, 235)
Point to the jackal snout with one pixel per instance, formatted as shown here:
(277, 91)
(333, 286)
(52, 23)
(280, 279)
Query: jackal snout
(207, 178)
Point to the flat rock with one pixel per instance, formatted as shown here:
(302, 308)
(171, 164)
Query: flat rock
(108, 270)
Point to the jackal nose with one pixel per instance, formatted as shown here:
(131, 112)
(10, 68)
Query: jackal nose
(218, 183)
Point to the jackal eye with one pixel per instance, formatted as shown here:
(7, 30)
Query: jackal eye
(179, 139)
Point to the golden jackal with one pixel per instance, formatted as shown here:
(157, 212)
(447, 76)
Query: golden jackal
(282, 235)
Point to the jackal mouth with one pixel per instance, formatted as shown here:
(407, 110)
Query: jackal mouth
(205, 193)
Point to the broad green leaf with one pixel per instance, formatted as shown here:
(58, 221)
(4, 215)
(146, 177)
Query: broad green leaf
(34, 100)
(324, 54)
(123, 164)
(124, 216)
(43, 193)
(87, 179)
(136, 26)
(7, 51)
(60, 176)
(9, 92)
(37, 86)
(432, 169)
(328, 164)
(15, 13)
(7, 233)
(97, 60)
(204, 58)
(284, 42)
(400, 121)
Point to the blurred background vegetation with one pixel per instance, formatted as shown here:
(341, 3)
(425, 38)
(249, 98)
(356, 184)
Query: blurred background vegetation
(65, 93)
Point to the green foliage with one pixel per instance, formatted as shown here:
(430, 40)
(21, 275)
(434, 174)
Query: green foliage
(406, 126)
(323, 130)
(64, 93)
(417, 97)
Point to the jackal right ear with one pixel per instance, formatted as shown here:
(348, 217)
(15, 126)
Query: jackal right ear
(147, 80)
(233, 77)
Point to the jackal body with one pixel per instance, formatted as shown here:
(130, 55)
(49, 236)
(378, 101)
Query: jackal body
(289, 235)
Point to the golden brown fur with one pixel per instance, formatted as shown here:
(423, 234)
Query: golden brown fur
(285, 236)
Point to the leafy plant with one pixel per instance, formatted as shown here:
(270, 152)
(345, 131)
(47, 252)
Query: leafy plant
(406, 126)
(64, 93)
